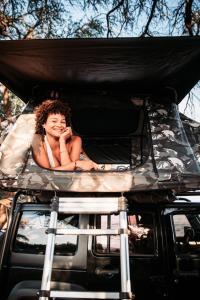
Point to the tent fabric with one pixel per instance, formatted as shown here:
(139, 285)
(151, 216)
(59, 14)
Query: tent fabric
(138, 65)
(15, 147)
(192, 129)
(170, 164)
(171, 148)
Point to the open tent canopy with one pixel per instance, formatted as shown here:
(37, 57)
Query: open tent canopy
(123, 94)
(138, 64)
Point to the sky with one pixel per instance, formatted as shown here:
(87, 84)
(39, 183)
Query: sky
(192, 110)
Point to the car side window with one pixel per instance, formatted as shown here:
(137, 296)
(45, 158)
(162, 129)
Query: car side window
(141, 234)
(31, 237)
(187, 233)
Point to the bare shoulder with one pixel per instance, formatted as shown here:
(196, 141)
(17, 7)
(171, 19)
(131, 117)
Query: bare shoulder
(76, 139)
(39, 152)
(37, 143)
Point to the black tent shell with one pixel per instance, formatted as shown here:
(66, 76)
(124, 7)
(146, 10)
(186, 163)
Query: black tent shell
(141, 65)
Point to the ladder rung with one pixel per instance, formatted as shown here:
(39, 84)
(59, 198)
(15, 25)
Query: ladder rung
(88, 231)
(89, 199)
(87, 209)
(89, 205)
(85, 295)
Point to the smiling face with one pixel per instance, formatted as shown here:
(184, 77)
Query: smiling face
(55, 125)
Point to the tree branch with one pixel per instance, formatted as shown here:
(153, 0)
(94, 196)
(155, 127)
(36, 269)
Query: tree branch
(29, 33)
(153, 8)
(177, 13)
(17, 31)
(120, 3)
(188, 16)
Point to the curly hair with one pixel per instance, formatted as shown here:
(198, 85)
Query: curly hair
(48, 107)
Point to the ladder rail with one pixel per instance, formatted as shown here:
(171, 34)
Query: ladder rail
(87, 206)
(49, 253)
(124, 254)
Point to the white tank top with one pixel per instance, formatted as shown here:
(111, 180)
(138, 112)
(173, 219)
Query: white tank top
(49, 152)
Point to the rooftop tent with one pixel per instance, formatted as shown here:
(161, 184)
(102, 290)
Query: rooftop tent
(123, 94)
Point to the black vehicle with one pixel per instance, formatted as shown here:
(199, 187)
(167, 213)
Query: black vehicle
(123, 94)
(164, 248)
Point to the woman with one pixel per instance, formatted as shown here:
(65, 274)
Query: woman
(5, 205)
(55, 147)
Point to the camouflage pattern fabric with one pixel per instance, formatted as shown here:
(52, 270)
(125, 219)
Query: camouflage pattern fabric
(171, 163)
(192, 129)
(5, 127)
(14, 149)
(171, 149)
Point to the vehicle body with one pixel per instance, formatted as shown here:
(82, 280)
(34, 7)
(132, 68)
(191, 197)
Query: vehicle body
(124, 96)
(164, 255)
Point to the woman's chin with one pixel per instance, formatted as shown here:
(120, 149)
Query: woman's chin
(57, 134)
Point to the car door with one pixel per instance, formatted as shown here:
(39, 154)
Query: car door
(184, 254)
(25, 249)
(145, 249)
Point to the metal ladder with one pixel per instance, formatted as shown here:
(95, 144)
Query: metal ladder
(91, 205)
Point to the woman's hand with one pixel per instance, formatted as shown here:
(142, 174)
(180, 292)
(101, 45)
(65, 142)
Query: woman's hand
(86, 165)
(66, 134)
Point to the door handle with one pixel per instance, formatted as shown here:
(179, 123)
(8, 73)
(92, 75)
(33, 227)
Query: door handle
(106, 272)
